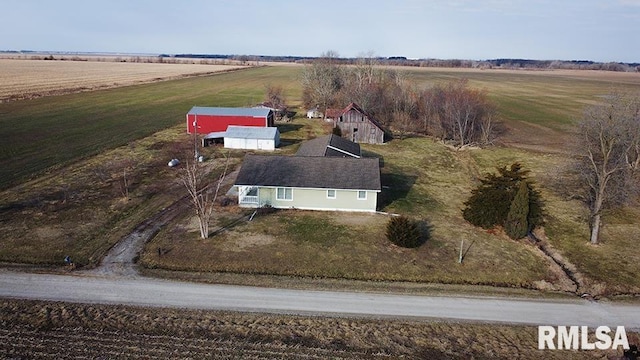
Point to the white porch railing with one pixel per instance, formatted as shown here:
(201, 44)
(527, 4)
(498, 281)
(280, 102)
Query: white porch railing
(252, 200)
(245, 199)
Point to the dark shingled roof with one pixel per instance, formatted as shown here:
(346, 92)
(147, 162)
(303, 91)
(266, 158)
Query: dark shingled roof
(310, 172)
(329, 145)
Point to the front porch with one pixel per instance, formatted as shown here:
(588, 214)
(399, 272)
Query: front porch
(248, 196)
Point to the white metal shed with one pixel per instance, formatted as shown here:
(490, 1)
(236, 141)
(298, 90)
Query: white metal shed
(251, 138)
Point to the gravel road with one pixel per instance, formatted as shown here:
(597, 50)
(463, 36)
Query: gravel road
(165, 293)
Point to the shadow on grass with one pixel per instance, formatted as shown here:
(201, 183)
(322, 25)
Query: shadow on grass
(231, 224)
(425, 229)
(395, 186)
(466, 251)
(246, 217)
(371, 154)
(283, 128)
(288, 142)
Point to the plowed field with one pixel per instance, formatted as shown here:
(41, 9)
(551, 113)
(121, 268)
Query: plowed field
(46, 330)
(24, 79)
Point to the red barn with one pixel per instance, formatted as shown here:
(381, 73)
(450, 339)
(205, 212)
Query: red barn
(216, 119)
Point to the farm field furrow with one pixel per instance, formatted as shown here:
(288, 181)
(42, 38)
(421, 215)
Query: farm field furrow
(47, 330)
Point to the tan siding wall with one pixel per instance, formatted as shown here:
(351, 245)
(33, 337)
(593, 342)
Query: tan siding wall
(316, 199)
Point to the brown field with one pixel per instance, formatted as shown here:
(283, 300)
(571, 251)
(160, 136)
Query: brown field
(23, 79)
(599, 75)
(51, 330)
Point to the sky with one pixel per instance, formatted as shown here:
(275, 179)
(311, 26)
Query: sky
(597, 30)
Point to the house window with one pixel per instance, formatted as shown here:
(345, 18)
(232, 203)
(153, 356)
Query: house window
(331, 194)
(284, 194)
(362, 195)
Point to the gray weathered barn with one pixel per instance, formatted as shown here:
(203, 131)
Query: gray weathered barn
(357, 126)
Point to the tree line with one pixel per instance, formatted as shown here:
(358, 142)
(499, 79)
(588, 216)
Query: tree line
(478, 64)
(452, 111)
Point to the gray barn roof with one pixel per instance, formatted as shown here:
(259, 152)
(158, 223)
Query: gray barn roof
(229, 111)
(310, 172)
(215, 135)
(329, 145)
(251, 132)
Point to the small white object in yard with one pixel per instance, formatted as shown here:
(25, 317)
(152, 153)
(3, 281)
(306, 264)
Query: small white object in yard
(201, 158)
(174, 163)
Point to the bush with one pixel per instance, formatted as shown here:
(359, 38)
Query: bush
(404, 232)
(337, 131)
(516, 225)
(491, 202)
(266, 210)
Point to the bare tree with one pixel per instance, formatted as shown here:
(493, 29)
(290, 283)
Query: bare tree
(487, 126)
(429, 103)
(322, 80)
(362, 83)
(274, 98)
(403, 104)
(201, 195)
(465, 115)
(121, 172)
(365, 69)
(403, 123)
(608, 147)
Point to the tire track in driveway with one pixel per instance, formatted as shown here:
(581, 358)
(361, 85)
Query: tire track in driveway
(120, 261)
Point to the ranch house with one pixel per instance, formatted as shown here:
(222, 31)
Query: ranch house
(309, 183)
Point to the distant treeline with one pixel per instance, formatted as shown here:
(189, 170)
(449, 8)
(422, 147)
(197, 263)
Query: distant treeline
(455, 63)
(392, 60)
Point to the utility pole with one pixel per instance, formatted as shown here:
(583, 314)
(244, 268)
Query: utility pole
(195, 136)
